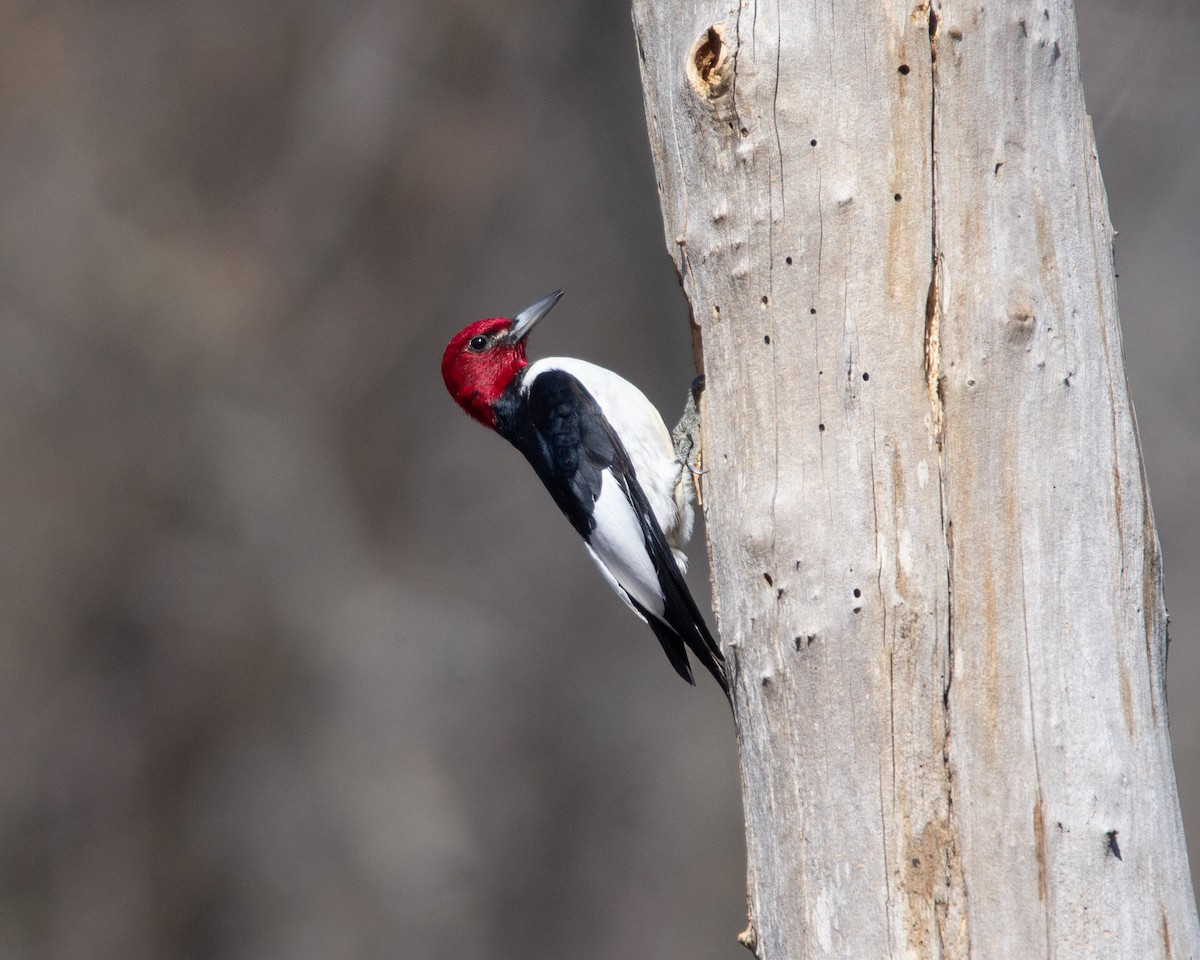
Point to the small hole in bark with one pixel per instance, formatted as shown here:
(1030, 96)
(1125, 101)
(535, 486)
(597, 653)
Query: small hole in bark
(821, 427)
(812, 310)
(1114, 848)
(857, 593)
(904, 69)
(857, 609)
(955, 34)
(767, 577)
(812, 143)
(897, 197)
(767, 339)
(744, 131)
(788, 261)
(866, 376)
(779, 594)
(764, 300)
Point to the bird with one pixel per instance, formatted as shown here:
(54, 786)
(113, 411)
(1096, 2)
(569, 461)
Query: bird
(604, 454)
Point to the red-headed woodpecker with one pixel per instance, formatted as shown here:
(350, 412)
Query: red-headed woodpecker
(604, 453)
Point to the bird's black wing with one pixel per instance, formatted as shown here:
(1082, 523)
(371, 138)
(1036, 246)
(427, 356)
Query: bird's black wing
(570, 445)
(562, 439)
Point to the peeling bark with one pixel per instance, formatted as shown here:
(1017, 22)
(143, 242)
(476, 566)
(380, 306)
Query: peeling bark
(935, 566)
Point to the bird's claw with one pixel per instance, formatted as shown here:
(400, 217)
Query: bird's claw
(686, 435)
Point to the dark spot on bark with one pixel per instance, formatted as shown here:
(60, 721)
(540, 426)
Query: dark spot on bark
(904, 70)
(812, 143)
(1024, 29)
(897, 197)
(779, 594)
(916, 861)
(955, 34)
(996, 168)
(804, 641)
(767, 577)
(1056, 54)
(857, 593)
(788, 261)
(1021, 324)
(866, 376)
(1067, 378)
(766, 681)
(857, 609)
(1045, 14)
(767, 339)
(764, 300)
(1114, 848)
(812, 310)
(821, 427)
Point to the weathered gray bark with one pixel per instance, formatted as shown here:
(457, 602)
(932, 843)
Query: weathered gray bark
(935, 565)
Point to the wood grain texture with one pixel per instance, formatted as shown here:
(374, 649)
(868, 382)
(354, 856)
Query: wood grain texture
(934, 561)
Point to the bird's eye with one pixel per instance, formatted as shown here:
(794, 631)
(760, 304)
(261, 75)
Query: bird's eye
(477, 344)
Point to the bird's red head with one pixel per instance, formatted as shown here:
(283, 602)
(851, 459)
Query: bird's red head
(481, 360)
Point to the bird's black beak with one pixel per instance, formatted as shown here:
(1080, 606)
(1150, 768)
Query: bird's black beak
(527, 319)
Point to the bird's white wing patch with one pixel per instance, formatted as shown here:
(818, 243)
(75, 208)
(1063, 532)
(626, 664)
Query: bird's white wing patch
(612, 582)
(619, 548)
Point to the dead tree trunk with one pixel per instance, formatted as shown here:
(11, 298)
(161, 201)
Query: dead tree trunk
(935, 565)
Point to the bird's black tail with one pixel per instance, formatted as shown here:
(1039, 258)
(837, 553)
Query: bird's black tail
(684, 619)
(675, 631)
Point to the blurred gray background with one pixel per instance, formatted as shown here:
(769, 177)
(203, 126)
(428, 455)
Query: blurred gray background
(295, 660)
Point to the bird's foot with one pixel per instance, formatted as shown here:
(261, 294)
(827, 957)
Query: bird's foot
(686, 435)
